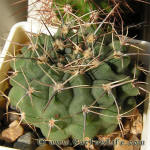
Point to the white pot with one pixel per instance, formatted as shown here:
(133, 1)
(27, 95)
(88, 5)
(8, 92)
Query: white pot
(18, 35)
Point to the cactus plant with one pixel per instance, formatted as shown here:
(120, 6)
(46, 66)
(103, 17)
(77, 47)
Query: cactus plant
(76, 83)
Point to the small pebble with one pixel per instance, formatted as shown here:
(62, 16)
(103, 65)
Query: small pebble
(25, 142)
(13, 132)
(45, 147)
(26, 138)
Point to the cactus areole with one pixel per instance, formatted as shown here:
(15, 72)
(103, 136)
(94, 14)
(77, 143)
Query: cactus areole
(76, 83)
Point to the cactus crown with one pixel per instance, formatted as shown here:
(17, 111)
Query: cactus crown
(77, 83)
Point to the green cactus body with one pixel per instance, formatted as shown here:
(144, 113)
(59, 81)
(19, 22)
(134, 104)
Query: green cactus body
(65, 84)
